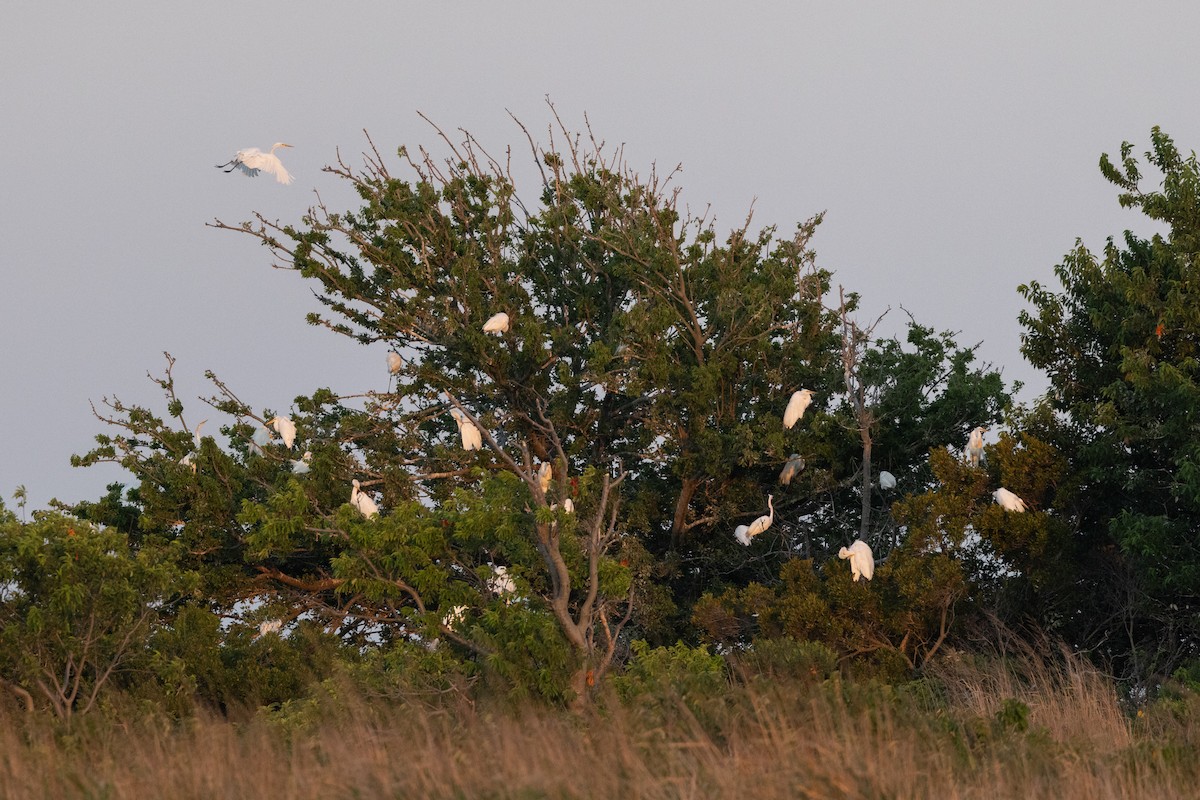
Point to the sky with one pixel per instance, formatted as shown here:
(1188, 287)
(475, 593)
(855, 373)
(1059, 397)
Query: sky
(952, 145)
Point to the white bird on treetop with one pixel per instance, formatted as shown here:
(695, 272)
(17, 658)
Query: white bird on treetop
(497, 324)
(975, 445)
(887, 480)
(796, 407)
(472, 439)
(568, 506)
(252, 160)
(362, 501)
(395, 363)
(545, 476)
(793, 467)
(187, 460)
(285, 428)
(744, 533)
(862, 560)
(501, 582)
(301, 465)
(269, 626)
(1009, 501)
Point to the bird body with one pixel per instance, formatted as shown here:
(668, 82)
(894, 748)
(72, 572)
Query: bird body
(395, 363)
(187, 459)
(285, 428)
(262, 438)
(252, 160)
(300, 466)
(1009, 501)
(862, 560)
(472, 439)
(362, 501)
(793, 467)
(975, 445)
(269, 626)
(497, 324)
(545, 476)
(796, 407)
(887, 481)
(744, 533)
(501, 582)
(568, 506)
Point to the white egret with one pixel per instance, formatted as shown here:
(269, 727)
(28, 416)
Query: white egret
(1009, 501)
(568, 506)
(744, 533)
(472, 439)
(862, 560)
(501, 582)
(793, 467)
(887, 481)
(187, 460)
(262, 438)
(285, 428)
(269, 626)
(497, 324)
(252, 160)
(362, 501)
(395, 363)
(454, 616)
(796, 407)
(975, 445)
(545, 476)
(300, 466)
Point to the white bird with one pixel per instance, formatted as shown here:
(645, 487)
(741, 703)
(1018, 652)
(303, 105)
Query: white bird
(300, 466)
(796, 407)
(262, 438)
(1009, 501)
(252, 160)
(362, 501)
(975, 445)
(501, 582)
(887, 480)
(793, 467)
(269, 626)
(472, 439)
(187, 460)
(455, 616)
(497, 323)
(285, 428)
(568, 506)
(545, 476)
(744, 533)
(395, 363)
(862, 560)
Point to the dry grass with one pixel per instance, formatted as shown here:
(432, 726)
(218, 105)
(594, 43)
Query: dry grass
(948, 737)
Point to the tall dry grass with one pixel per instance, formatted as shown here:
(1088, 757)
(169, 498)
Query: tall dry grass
(960, 733)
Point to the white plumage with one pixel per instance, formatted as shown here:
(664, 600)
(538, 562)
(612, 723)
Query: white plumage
(793, 467)
(975, 445)
(187, 459)
(497, 323)
(252, 160)
(472, 439)
(887, 481)
(796, 407)
(501, 582)
(262, 437)
(568, 506)
(545, 476)
(300, 466)
(362, 501)
(862, 560)
(744, 533)
(285, 428)
(395, 363)
(1009, 501)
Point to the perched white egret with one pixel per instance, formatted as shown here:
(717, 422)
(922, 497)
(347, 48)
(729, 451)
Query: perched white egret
(454, 616)
(395, 363)
(501, 582)
(793, 467)
(497, 324)
(262, 438)
(796, 407)
(975, 445)
(1009, 501)
(285, 428)
(252, 160)
(269, 626)
(300, 466)
(362, 501)
(545, 476)
(744, 533)
(887, 481)
(187, 459)
(472, 439)
(862, 560)
(568, 506)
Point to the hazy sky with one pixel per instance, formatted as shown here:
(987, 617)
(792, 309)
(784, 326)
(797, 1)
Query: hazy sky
(954, 146)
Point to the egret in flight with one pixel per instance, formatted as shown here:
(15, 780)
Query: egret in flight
(362, 501)
(796, 407)
(887, 480)
(472, 439)
(252, 160)
(497, 324)
(862, 560)
(975, 445)
(285, 428)
(1009, 501)
(793, 467)
(744, 533)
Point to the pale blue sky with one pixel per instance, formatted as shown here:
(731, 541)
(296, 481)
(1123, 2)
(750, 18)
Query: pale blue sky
(953, 145)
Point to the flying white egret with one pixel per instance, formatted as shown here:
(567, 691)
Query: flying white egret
(975, 445)
(187, 460)
(472, 439)
(300, 466)
(796, 407)
(744, 533)
(793, 467)
(285, 428)
(501, 582)
(497, 324)
(887, 480)
(545, 476)
(862, 560)
(1009, 501)
(395, 363)
(362, 501)
(252, 160)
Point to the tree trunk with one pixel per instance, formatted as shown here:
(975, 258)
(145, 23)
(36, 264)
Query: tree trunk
(865, 526)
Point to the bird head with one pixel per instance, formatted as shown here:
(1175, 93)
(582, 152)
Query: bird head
(843, 553)
(279, 144)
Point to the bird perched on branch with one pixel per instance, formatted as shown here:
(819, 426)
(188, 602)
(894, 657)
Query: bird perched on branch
(362, 501)
(975, 445)
(252, 160)
(472, 439)
(497, 324)
(862, 560)
(796, 407)
(744, 533)
(887, 481)
(285, 428)
(793, 467)
(1009, 501)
